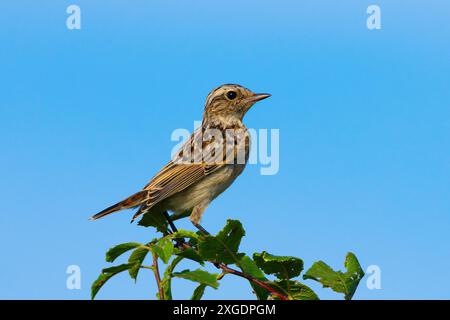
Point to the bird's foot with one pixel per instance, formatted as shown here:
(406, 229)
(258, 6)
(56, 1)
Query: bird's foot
(180, 243)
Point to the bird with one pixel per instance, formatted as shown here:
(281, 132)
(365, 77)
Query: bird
(207, 163)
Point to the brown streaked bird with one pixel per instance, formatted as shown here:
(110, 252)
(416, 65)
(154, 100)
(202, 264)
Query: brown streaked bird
(207, 163)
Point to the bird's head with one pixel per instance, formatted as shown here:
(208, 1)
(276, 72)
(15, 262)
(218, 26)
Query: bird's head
(230, 102)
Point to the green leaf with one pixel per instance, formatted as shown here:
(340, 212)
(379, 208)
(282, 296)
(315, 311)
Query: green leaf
(167, 279)
(164, 249)
(106, 274)
(190, 254)
(136, 259)
(282, 267)
(248, 266)
(224, 246)
(294, 290)
(184, 234)
(120, 249)
(181, 234)
(200, 276)
(156, 220)
(198, 292)
(338, 281)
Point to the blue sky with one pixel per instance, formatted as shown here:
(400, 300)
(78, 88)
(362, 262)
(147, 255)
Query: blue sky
(364, 120)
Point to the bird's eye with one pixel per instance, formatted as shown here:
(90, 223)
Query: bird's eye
(231, 95)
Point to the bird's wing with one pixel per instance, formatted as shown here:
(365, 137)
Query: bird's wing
(188, 167)
(202, 154)
(175, 178)
(181, 172)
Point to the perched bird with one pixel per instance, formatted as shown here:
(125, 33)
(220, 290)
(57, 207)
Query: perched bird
(207, 163)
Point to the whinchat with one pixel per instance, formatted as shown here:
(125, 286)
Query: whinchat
(207, 163)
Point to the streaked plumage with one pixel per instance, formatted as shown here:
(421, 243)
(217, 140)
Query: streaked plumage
(207, 163)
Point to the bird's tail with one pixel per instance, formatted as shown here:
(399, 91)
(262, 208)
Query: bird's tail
(130, 202)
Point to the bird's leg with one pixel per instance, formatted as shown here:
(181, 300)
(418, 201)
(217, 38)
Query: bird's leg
(172, 225)
(199, 227)
(196, 215)
(179, 242)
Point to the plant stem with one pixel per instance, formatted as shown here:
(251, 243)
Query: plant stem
(157, 276)
(259, 283)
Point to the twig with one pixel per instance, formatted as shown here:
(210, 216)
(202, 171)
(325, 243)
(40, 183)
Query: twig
(259, 283)
(157, 276)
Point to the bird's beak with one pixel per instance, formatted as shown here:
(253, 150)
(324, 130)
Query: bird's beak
(258, 97)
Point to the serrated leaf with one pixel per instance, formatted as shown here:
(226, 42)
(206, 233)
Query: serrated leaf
(338, 281)
(294, 290)
(136, 259)
(198, 292)
(156, 220)
(283, 267)
(184, 234)
(224, 246)
(116, 269)
(164, 249)
(248, 266)
(167, 278)
(181, 234)
(106, 274)
(114, 252)
(191, 254)
(200, 276)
